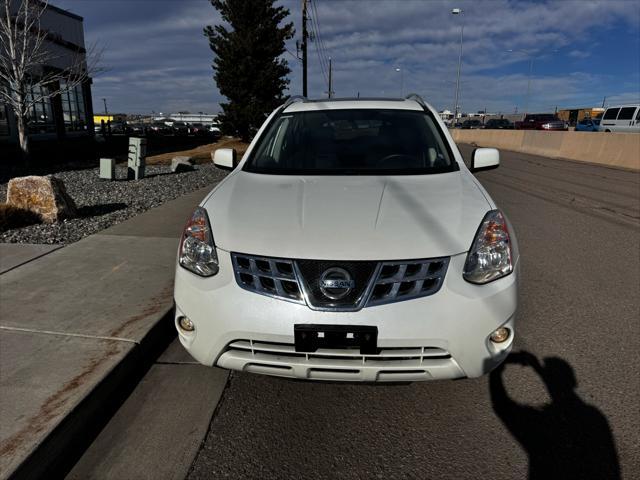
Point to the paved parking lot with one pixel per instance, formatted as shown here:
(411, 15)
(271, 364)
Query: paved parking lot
(565, 407)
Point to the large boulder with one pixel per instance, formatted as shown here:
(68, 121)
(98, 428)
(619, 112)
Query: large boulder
(44, 196)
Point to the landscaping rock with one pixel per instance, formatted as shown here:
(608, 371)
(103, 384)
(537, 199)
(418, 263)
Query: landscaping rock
(181, 164)
(44, 196)
(184, 158)
(102, 204)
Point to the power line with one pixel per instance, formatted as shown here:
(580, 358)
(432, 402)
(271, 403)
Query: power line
(323, 69)
(319, 53)
(319, 44)
(292, 54)
(315, 19)
(320, 38)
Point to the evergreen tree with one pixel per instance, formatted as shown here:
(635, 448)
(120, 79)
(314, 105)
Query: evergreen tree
(248, 69)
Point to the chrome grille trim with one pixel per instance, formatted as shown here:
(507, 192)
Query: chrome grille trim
(391, 281)
(360, 302)
(267, 276)
(425, 277)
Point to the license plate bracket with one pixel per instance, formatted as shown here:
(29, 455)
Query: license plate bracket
(310, 337)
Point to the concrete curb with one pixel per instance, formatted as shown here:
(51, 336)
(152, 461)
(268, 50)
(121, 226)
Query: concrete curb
(64, 446)
(79, 329)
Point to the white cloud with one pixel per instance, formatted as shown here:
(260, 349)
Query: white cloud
(159, 57)
(579, 54)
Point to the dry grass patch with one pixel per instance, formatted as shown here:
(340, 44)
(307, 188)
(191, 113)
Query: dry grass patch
(201, 154)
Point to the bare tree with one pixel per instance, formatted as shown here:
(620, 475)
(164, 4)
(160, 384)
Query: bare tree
(27, 75)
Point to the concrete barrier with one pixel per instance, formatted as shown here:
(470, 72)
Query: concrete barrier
(613, 149)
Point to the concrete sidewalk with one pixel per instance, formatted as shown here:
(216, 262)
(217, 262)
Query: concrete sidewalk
(71, 319)
(13, 255)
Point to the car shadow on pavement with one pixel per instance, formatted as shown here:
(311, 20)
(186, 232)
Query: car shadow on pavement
(567, 438)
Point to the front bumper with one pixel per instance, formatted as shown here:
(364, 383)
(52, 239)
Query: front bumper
(443, 336)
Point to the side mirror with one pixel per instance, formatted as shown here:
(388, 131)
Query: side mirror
(484, 159)
(225, 158)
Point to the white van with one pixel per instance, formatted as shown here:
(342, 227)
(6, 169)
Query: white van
(621, 119)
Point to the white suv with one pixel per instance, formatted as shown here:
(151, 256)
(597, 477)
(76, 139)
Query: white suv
(350, 243)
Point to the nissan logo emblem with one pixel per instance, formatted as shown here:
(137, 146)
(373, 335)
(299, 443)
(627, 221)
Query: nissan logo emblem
(336, 283)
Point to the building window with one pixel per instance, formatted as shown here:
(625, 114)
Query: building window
(41, 118)
(73, 109)
(4, 120)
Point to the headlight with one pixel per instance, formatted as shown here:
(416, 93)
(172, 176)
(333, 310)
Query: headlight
(197, 250)
(490, 254)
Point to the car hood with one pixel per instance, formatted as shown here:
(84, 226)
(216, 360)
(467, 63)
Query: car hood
(347, 217)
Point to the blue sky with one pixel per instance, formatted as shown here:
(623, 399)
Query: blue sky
(158, 59)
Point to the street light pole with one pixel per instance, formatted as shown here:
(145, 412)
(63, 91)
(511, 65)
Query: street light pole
(401, 81)
(458, 11)
(526, 105)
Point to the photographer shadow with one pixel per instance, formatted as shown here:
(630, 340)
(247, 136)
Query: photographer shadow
(565, 439)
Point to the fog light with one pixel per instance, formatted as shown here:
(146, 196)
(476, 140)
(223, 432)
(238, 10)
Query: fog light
(500, 335)
(186, 324)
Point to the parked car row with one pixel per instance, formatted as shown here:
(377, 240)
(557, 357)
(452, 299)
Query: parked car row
(160, 129)
(624, 118)
(494, 123)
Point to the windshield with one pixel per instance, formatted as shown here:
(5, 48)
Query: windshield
(352, 142)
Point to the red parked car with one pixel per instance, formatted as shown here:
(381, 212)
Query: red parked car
(541, 121)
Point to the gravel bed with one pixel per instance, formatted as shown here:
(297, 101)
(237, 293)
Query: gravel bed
(104, 203)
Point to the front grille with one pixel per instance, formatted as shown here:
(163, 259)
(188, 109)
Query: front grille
(274, 277)
(406, 280)
(375, 283)
(312, 270)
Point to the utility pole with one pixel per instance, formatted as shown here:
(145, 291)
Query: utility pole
(604, 100)
(106, 112)
(330, 92)
(458, 11)
(305, 36)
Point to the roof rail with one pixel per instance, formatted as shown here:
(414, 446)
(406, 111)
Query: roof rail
(417, 98)
(293, 99)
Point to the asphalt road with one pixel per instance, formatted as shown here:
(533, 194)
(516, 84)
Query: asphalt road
(579, 323)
